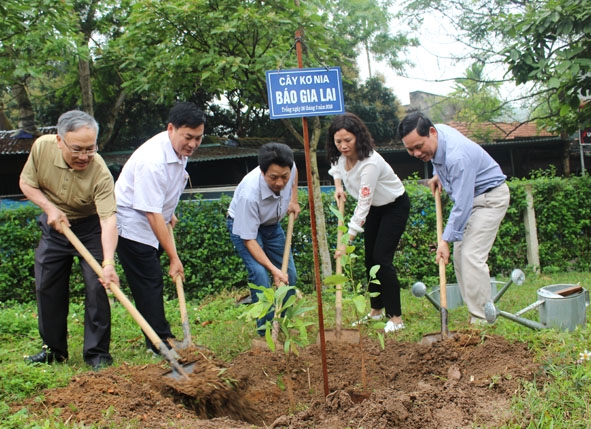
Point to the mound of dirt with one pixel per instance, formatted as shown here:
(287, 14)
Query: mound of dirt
(465, 381)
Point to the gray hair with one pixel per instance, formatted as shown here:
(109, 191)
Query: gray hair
(74, 120)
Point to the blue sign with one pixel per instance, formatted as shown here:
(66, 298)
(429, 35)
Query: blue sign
(305, 92)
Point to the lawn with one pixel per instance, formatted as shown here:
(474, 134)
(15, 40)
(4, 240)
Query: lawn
(218, 323)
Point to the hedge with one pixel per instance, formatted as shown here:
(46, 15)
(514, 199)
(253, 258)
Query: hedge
(563, 216)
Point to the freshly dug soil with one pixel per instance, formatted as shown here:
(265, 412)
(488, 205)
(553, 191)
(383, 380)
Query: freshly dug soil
(464, 381)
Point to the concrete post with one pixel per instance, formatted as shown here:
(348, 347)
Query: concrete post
(531, 231)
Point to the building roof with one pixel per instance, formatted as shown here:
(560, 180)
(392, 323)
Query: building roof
(498, 133)
(12, 144)
(495, 131)
(204, 153)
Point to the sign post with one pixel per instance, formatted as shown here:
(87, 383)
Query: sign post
(301, 93)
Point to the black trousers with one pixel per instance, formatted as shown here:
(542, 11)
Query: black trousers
(53, 265)
(141, 264)
(383, 229)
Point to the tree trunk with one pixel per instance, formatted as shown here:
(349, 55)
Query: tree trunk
(323, 248)
(112, 118)
(4, 121)
(85, 86)
(566, 155)
(26, 116)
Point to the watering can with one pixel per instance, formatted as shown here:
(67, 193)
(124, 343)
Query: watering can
(454, 297)
(560, 306)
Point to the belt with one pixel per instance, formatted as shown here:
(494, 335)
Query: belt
(491, 188)
(82, 220)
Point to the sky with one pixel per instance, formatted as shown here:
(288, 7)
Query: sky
(434, 69)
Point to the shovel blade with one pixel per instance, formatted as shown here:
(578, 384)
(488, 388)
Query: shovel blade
(349, 336)
(436, 337)
(181, 372)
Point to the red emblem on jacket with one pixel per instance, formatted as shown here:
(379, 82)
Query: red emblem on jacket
(365, 191)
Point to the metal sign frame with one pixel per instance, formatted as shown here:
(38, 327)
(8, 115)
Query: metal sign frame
(297, 93)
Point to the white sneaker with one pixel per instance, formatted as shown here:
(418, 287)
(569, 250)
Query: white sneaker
(367, 318)
(393, 327)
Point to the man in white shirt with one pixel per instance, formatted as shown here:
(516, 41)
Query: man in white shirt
(148, 191)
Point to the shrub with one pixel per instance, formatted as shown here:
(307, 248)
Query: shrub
(211, 263)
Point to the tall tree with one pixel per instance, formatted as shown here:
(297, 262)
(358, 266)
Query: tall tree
(548, 44)
(477, 100)
(543, 44)
(225, 47)
(377, 105)
(27, 48)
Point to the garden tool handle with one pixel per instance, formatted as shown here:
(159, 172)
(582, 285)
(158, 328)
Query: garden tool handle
(288, 235)
(339, 270)
(180, 292)
(178, 279)
(144, 325)
(442, 274)
(341, 204)
(284, 267)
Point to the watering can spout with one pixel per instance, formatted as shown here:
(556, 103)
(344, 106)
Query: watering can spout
(517, 277)
(491, 313)
(419, 289)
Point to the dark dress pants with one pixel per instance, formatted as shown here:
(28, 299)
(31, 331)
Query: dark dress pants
(383, 229)
(141, 264)
(53, 265)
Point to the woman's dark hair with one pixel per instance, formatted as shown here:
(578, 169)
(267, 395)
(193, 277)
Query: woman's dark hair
(363, 140)
(275, 153)
(412, 121)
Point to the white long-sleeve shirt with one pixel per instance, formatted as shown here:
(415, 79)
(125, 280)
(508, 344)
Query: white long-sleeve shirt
(372, 182)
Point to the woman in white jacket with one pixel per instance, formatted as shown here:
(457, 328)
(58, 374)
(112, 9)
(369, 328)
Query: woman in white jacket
(381, 212)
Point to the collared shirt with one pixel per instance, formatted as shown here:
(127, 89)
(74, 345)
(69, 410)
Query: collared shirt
(152, 180)
(466, 170)
(255, 204)
(372, 182)
(78, 193)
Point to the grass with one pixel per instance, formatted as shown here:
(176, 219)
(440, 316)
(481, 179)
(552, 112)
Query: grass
(561, 402)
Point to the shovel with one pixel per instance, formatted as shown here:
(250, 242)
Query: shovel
(170, 355)
(431, 338)
(284, 265)
(180, 291)
(258, 342)
(339, 334)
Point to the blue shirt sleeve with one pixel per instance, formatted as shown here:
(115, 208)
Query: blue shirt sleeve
(461, 189)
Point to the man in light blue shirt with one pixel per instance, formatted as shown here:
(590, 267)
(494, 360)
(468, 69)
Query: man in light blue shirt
(476, 185)
(264, 197)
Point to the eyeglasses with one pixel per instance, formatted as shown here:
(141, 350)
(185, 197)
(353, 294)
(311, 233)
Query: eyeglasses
(78, 151)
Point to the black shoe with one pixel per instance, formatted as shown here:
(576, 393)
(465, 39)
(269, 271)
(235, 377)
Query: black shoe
(45, 356)
(100, 363)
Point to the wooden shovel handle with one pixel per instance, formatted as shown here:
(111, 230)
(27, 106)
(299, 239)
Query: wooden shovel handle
(287, 248)
(151, 334)
(284, 267)
(180, 291)
(442, 273)
(339, 270)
